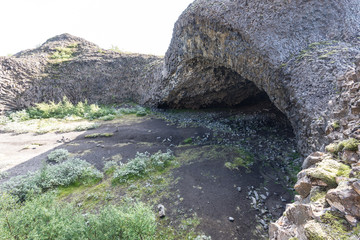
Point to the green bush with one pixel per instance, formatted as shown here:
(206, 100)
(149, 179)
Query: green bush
(19, 116)
(43, 218)
(142, 164)
(110, 167)
(72, 171)
(58, 155)
(125, 222)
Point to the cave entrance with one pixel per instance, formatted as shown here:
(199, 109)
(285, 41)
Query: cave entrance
(246, 162)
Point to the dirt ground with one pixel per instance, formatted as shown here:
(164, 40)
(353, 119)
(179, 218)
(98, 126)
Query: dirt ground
(204, 185)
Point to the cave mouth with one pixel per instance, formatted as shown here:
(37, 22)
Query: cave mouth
(217, 88)
(241, 118)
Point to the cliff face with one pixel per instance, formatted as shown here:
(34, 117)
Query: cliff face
(70, 66)
(292, 50)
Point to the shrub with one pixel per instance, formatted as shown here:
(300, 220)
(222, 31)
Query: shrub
(142, 164)
(19, 116)
(131, 221)
(58, 155)
(44, 218)
(73, 171)
(110, 167)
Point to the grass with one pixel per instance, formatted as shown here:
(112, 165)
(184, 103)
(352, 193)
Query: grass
(64, 116)
(243, 159)
(64, 53)
(96, 135)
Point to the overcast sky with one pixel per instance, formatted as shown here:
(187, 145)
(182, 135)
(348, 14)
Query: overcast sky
(142, 26)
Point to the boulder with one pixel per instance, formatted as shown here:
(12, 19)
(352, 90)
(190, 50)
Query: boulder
(345, 199)
(314, 230)
(312, 159)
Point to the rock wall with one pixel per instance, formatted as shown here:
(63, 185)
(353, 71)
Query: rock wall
(328, 204)
(292, 50)
(91, 73)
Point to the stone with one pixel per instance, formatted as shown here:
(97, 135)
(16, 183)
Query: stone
(314, 230)
(356, 186)
(161, 210)
(312, 159)
(345, 199)
(231, 219)
(298, 214)
(239, 189)
(303, 186)
(351, 220)
(355, 172)
(276, 232)
(325, 172)
(350, 157)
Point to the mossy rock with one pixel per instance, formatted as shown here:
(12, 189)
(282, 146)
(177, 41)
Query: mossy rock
(314, 231)
(349, 144)
(327, 170)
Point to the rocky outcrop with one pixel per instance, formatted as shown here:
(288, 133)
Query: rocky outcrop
(329, 184)
(71, 66)
(293, 50)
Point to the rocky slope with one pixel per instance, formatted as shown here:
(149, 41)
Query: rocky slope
(70, 66)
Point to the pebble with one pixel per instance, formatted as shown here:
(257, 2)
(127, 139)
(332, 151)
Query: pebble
(231, 219)
(256, 195)
(263, 196)
(239, 189)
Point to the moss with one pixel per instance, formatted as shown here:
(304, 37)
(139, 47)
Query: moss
(318, 196)
(350, 144)
(337, 226)
(343, 171)
(327, 170)
(332, 148)
(315, 231)
(95, 135)
(188, 141)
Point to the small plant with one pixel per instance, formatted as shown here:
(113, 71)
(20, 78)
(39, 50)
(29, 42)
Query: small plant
(19, 116)
(58, 155)
(244, 159)
(95, 135)
(64, 52)
(110, 167)
(108, 117)
(3, 175)
(335, 125)
(141, 113)
(43, 217)
(188, 140)
(72, 171)
(142, 164)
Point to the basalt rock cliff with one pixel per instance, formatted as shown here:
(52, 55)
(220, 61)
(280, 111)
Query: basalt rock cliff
(304, 54)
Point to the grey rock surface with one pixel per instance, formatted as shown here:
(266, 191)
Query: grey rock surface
(292, 50)
(91, 73)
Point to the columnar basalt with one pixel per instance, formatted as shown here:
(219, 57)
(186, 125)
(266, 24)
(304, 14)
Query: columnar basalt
(292, 50)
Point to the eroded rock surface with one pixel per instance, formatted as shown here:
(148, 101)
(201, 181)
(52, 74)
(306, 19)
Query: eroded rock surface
(88, 72)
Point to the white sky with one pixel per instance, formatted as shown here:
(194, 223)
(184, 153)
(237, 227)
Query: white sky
(141, 26)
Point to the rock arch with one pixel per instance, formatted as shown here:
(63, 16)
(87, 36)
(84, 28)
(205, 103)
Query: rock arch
(293, 50)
